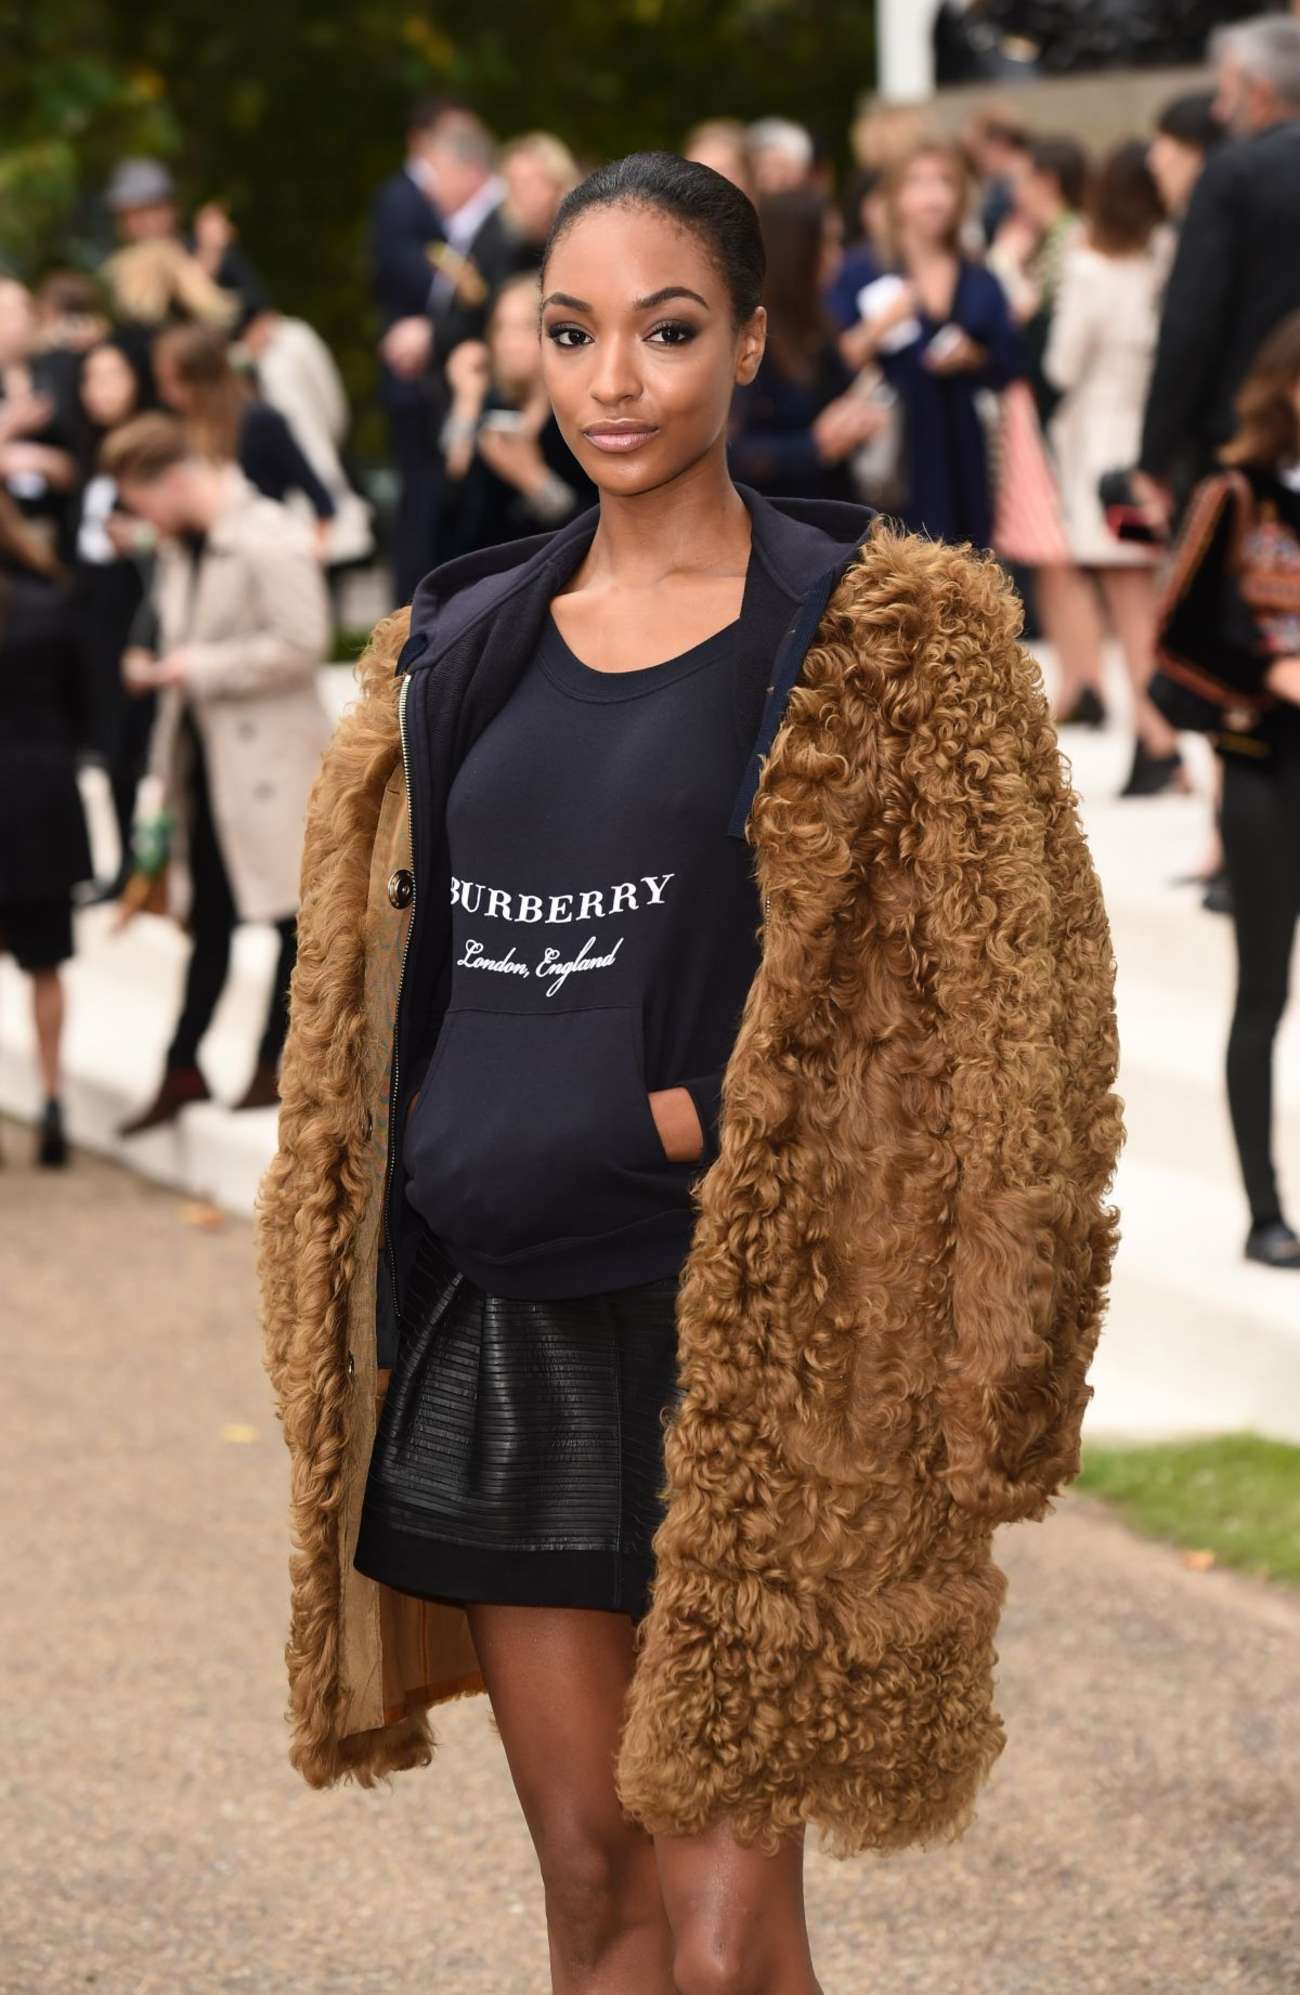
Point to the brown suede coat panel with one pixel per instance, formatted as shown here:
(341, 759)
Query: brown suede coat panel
(898, 1269)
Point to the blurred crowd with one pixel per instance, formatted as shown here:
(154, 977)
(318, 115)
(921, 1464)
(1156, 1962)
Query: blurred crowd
(1009, 338)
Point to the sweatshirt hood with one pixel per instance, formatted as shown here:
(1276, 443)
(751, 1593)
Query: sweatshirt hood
(801, 542)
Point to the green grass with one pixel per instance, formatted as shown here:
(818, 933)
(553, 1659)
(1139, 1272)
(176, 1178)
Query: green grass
(1235, 1495)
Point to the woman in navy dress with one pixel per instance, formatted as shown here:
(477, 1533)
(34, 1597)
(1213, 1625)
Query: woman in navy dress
(938, 325)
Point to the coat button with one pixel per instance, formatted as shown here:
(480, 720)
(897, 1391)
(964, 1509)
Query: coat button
(401, 888)
(352, 1365)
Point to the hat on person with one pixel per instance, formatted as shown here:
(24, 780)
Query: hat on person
(139, 183)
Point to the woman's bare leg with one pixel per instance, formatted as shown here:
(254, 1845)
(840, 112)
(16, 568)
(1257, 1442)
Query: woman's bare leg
(47, 1012)
(737, 1916)
(1131, 601)
(557, 1678)
(1070, 615)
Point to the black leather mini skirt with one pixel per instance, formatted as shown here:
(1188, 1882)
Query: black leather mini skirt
(519, 1451)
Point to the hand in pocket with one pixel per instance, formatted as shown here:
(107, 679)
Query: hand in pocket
(678, 1123)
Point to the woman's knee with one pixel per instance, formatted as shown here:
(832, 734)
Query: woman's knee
(709, 1959)
(594, 1875)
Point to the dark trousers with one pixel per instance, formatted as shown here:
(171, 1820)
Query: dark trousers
(413, 429)
(1260, 823)
(212, 920)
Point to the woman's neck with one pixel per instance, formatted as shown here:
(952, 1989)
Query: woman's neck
(697, 523)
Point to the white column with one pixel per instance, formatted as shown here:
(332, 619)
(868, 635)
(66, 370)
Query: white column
(905, 62)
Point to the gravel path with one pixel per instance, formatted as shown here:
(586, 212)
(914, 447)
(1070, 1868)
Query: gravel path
(1141, 1832)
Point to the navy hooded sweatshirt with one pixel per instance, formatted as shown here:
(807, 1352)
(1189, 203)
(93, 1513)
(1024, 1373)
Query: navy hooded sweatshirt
(586, 919)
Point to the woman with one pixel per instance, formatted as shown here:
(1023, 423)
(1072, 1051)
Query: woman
(797, 424)
(242, 623)
(508, 470)
(231, 425)
(113, 556)
(1186, 133)
(1230, 630)
(677, 1258)
(939, 327)
(44, 847)
(1098, 358)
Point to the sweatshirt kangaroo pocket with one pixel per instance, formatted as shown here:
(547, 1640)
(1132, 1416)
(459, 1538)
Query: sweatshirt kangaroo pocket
(536, 1128)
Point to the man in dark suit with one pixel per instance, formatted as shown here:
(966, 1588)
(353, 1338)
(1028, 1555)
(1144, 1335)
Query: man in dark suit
(1236, 273)
(405, 229)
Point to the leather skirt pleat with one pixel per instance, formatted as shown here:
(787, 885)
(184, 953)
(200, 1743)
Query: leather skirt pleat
(519, 1451)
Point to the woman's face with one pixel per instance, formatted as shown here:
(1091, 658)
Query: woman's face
(531, 192)
(1175, 168)
(108, 387)
(639, 353)
(512, 338)
(927, 200)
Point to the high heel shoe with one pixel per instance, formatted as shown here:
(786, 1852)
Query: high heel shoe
(1152, 775)
(1089, 710)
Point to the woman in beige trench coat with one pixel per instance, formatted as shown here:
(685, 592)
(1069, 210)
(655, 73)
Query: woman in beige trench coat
(901, 1249)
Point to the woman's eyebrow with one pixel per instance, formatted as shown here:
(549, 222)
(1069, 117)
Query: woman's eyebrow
(638, 304)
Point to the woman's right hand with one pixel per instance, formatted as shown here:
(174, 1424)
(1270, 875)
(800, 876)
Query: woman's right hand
(1283, 678)
(845, 424)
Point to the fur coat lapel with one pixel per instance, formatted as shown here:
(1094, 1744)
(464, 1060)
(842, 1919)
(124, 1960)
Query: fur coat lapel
(899, 1267)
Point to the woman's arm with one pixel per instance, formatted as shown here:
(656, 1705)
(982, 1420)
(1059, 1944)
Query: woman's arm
(1072, 340)
(274, 461)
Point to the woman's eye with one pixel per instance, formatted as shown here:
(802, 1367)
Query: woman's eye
(566, 337)
(676, 333)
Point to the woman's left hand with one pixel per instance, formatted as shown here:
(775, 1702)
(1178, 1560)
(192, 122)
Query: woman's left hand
(514, 456)
(961, 355)
(678, 1124)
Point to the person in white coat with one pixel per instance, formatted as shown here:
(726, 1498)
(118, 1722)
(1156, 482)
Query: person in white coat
(243, 623)
(296, 374)
(1099, 355)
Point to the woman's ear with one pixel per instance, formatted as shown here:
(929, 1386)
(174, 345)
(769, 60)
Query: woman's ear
(749, 348)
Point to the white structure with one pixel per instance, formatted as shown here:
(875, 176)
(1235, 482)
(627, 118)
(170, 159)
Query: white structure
(905, 49)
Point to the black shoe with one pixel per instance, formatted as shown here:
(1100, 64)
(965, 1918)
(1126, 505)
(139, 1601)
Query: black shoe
(1274, 1244)
(51, 1142)
(178, 1088)
(1151, 775)
(1217, 898)
(1088, 711)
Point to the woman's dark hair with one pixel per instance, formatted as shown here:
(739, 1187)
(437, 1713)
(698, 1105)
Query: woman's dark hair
(1124, 206)
(794, 237)
(717, 213)
(200, 356)
(1067, 163)
(1191, 121)
(1268, 429)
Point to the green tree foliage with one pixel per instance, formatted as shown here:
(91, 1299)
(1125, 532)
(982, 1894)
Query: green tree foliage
(292, 113)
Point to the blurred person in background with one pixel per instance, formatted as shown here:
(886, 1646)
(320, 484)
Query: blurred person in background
(232, 425)
(538, 170)
(1187, 131)
(405, 225)
(1098, 359)
(142, 198)
(1048, 179)
(1236, 274)
(509, 471)
(938, 325)
(44, 846)
(296, 375)
(796, 425)
(997, 144)
(1230, 629)
(243, 621)
(70, 315)
(114, 558)
(781, 153)
(723, 144)
(38, 424)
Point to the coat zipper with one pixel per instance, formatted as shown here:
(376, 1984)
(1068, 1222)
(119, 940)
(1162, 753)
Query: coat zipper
(397, 1008)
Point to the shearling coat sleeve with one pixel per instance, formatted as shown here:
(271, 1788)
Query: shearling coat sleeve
(1022, 978)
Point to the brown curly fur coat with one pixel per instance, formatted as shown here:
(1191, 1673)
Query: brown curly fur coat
(899, 1264)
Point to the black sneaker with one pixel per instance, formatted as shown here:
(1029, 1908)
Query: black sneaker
(1274, 1244)
(51, 1141)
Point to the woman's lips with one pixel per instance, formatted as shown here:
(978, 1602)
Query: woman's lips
(621, 439)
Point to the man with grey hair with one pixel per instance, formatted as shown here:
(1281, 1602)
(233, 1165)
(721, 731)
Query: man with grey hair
(782, 153)
(1237, 271)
